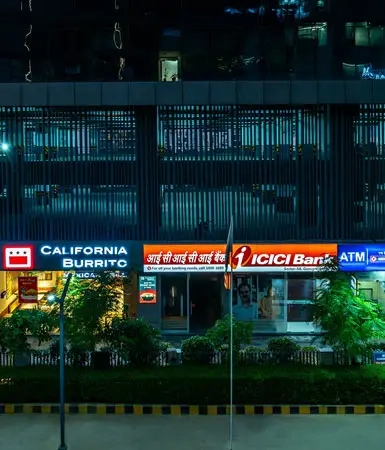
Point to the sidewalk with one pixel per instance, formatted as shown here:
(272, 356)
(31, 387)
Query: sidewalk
(41, 432)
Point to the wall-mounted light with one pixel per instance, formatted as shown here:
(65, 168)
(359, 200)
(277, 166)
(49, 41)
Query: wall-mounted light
(4, 147)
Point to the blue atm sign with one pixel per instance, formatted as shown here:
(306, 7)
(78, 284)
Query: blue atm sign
(378, 357)
(361, 258)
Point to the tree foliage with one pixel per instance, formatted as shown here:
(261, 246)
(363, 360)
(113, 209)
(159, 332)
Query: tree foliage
(15, 329)
(88, 306)
(350, 321)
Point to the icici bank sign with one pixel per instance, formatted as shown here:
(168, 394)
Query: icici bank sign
(245, 257)
(282, 257)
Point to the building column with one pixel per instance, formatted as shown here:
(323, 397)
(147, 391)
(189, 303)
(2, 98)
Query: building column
(148, 181)
(342, 185)
(336, 45)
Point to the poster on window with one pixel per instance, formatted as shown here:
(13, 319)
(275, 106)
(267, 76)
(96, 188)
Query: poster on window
(147, 289)
(27, 289)
(260, 299)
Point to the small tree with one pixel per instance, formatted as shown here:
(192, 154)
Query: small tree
(88, 306)
(350, 321)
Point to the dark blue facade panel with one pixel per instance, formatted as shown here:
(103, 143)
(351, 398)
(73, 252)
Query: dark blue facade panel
(112, 94)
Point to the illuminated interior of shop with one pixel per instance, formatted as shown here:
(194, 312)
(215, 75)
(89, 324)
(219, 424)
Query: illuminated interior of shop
(371, 285)
(11, 298)
(276, 302)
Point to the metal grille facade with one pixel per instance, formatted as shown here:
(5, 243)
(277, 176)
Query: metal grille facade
(177, 173)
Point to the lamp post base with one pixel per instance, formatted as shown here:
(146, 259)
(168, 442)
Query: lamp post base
(62, 447)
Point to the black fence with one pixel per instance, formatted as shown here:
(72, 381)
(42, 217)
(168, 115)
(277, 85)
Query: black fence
(175, 357)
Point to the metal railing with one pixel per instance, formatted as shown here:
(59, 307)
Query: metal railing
(172, 357)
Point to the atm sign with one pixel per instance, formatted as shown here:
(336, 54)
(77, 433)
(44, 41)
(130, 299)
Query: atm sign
(362, 257)
(352, 257)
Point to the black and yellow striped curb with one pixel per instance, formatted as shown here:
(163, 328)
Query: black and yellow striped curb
(189, 410)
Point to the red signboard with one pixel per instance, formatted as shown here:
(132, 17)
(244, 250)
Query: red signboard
(28, 289)
(245, 257)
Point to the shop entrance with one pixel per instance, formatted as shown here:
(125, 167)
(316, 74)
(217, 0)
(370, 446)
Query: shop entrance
(205, 301)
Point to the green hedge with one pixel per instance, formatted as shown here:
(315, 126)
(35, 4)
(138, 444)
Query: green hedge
(192, 385)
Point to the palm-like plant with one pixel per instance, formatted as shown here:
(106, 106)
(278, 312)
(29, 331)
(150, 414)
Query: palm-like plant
(349, 320)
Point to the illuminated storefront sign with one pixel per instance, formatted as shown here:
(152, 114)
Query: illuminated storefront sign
(246, 258)
(18, 257)
(91, 275)
(88, 256)
(147, 289)
(369, 73)
(361, 258)
(77, 256)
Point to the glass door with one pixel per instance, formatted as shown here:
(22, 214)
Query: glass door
(174, 295)
(205, 294)
(271, 303)
(300, 292)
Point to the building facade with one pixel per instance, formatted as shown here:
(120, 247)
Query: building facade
(145, 125)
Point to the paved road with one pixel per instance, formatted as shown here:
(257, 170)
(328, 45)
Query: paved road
(40, 432)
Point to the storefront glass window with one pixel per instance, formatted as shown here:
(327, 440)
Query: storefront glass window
(174, 302)
(371, 285)
(260, 299)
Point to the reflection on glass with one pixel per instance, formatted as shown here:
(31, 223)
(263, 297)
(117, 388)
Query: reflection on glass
(270, 305)
(260, 299)
(245, 309)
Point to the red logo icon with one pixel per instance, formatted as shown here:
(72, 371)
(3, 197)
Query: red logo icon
(241, 256)
(373, 259)
(18, 257)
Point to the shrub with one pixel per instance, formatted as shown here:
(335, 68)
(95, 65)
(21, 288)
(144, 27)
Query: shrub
(134, 340)
(262, 384)
(253, 355)
(282, 349)
(308, 348)
(197, 350)
(14, 330)
(165, 345)
(219, 334)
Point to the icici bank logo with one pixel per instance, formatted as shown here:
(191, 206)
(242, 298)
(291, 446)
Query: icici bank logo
(241, 257)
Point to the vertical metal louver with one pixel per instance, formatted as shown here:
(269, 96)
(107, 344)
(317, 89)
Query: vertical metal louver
(68, 174)
(176, 173)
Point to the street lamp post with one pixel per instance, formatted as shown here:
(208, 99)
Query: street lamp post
(62, 445)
